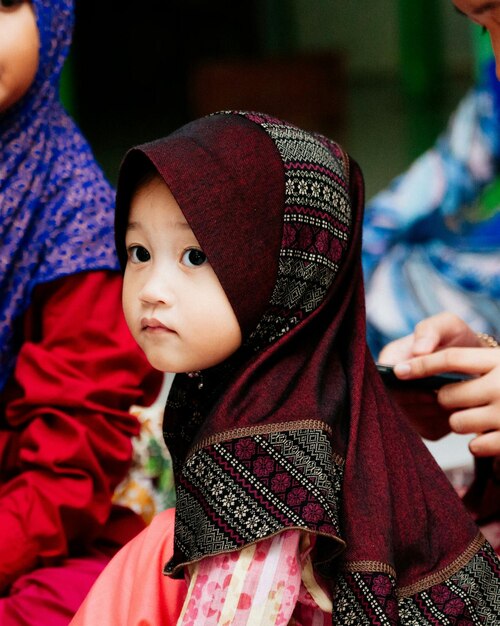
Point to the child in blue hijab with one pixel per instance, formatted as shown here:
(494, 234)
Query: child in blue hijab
(56, 206)
(69, 370)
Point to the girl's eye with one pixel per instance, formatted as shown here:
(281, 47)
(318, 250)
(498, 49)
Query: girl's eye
(138, 254)
(194, 257)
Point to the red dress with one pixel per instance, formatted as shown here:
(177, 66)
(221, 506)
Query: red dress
(65, 443)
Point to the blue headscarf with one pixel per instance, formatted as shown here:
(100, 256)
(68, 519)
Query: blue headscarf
(56, 208)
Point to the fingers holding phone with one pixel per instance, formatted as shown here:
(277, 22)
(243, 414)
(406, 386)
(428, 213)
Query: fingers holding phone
(430, 382)
(434, 333)
(473, 405)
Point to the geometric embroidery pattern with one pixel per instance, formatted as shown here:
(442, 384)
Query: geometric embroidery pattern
(317, 205)
(469, 597)
(233, 493)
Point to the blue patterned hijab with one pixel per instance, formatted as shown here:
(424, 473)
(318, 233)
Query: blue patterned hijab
(56, 208)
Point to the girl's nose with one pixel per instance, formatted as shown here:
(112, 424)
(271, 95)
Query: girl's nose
(155, 290)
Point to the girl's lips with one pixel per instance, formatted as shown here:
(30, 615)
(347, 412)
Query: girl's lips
(154, 325)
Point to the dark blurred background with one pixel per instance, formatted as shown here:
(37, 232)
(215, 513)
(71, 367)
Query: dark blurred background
(381, 77)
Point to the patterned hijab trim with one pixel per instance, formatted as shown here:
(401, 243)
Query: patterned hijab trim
(56, 208)
(316, 230)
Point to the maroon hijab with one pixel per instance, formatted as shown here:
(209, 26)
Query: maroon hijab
(295, 430)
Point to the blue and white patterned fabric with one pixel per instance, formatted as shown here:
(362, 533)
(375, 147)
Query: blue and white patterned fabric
(432, 239)
(56, 208)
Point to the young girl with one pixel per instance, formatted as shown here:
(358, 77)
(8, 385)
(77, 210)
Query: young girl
(303, 497)
(69, 369)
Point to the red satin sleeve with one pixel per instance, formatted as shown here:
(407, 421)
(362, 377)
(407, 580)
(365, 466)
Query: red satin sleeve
(65, 426)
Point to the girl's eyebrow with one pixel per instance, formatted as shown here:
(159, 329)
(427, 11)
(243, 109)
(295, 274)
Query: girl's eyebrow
(133, 225)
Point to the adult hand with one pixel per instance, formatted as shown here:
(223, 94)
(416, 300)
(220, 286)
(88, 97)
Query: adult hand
(445, 343)
(434, 333)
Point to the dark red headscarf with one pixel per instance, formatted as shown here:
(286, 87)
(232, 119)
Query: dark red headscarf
(296, 430)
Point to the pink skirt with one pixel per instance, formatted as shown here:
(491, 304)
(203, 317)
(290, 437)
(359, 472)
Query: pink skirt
(132, 590)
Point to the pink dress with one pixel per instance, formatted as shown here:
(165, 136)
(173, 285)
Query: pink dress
(271, 582)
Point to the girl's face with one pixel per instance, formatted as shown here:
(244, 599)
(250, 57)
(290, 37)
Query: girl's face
(486, 13)
(19, 46)
(173, 301)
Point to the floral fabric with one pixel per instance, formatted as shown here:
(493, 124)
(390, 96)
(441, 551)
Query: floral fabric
(268, 583)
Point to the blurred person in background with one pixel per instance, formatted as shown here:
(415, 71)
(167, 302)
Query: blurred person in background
(69, 369)
(446, 343)
(431, 240)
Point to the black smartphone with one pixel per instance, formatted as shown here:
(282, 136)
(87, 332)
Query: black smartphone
(428, 382)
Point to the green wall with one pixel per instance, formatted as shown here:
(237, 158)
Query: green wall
(369, 32)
